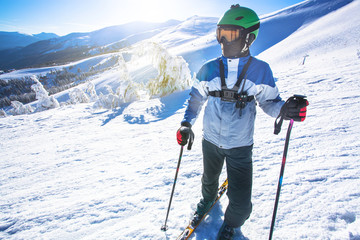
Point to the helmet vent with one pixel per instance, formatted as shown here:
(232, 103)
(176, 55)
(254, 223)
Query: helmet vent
(239, 18)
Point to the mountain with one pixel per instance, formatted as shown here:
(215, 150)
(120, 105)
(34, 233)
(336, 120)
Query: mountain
(200, 45)
(76, 46)
(45, 36)
(17, 40)
(279, 25)
(79, 172)
(338, 32)
(193, 38)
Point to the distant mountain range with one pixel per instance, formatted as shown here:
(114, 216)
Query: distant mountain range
(18, 40)
(26, 51)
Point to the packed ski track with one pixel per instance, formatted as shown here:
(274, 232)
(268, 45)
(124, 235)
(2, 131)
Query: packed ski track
(77, 172)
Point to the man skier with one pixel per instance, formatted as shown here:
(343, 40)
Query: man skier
(230, 84)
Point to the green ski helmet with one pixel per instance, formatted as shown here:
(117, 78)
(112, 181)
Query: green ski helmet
(241, 18)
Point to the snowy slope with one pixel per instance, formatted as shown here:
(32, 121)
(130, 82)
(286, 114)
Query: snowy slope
(142, 71)
(77, 172)
(337, 34)
(195, 40)
(83, 65)
(277, 26)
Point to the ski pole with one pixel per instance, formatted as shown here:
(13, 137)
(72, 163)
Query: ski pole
(281, 176)
(164, 227)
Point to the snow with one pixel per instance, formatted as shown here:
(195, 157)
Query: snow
(79, 172)
(45, 101)
(18, 108)
(337, 32)
(96, 63)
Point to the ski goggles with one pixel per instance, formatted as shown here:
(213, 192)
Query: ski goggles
(230, 33)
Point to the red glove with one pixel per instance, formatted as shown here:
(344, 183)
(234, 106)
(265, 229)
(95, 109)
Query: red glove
(184, 133)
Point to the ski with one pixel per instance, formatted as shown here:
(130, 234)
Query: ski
(188, 231)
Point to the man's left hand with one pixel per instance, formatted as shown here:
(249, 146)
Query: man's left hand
(295, 108)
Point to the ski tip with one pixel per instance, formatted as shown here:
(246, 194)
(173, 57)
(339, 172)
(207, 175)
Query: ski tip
(164, 228)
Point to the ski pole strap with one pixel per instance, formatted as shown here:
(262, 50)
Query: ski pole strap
(191, 139)
(278, 123)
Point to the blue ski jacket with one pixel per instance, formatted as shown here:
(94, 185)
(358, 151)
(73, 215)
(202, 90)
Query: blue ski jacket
(223, 124)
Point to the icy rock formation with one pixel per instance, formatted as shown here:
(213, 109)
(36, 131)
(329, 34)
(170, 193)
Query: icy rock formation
(171, 74)
(173, 71)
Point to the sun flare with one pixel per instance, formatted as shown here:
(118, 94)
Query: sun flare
(153, 11)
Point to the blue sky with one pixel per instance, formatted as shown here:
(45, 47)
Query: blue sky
(65, 16)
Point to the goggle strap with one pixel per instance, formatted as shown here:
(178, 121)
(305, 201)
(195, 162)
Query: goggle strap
(252, 28)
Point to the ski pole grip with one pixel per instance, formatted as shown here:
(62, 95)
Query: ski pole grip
(279, 120)
(297, 96)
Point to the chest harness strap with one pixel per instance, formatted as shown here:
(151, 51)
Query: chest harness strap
(233, 95)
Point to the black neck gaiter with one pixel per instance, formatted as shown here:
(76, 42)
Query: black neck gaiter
(234, 49)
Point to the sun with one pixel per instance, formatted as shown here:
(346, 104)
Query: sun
(154, 11)
(157, 11)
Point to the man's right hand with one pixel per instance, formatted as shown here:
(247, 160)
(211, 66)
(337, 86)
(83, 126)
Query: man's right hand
(185, 134)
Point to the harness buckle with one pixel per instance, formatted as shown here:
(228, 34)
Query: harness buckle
(229, 95)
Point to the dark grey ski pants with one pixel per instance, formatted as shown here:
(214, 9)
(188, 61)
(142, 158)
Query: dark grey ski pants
(239, 172)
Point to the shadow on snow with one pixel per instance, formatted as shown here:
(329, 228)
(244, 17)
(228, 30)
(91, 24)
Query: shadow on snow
(167, 107)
